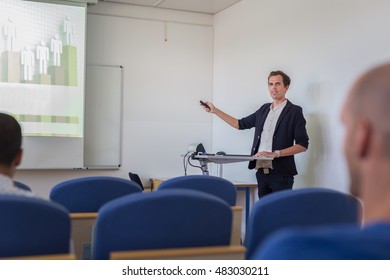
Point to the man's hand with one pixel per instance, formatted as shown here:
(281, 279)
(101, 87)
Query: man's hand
(265, 154)
(211, 105)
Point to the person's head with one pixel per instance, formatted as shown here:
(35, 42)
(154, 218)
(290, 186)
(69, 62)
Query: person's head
(10, 144)
(278, 84)
(366, 117)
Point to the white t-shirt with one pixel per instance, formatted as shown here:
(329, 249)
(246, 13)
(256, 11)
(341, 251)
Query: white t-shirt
(268, 133)
(7, 186)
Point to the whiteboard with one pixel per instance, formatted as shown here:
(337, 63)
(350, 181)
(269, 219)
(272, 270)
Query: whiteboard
(103, 116)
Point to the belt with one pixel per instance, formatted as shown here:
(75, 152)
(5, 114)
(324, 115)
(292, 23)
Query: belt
(265, 170)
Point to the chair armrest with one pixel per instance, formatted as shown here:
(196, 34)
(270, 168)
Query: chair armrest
(92, 215)
(193, 253)
(44, 257)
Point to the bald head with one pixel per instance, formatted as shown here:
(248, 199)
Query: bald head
(366, 116)
(369, 98)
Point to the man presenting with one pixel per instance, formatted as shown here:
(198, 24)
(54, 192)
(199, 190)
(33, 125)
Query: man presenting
(365, 116)
(280, 133)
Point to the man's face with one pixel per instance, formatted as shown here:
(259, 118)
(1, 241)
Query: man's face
(276, 88)
(349, 122)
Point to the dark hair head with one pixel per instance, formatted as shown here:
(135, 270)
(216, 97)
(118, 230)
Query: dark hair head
(286, 78)
(10, 139)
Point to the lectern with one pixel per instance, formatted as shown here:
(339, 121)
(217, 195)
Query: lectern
(204, 159)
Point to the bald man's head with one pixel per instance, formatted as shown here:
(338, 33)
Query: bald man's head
(366, 116)
(369, 98)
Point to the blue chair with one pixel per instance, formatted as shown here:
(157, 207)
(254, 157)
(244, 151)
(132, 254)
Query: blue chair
(217, 186)
(22, 186)
(158, 220)
(32, 226)
(302, 207)
(345, 242)
(88, 194)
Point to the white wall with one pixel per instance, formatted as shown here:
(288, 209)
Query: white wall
(163, 82)
(322, 45)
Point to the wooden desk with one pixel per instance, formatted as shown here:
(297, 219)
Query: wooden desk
(44, 257)
(82, 227)
(154, 182)
(193, 253)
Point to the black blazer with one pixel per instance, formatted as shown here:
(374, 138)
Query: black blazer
(290, 128)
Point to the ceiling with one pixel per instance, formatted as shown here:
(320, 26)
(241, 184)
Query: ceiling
(200, 6)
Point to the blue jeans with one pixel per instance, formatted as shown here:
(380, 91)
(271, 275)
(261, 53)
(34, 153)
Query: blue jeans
(271, 182)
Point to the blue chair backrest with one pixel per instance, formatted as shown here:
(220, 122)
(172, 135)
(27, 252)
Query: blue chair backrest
(32, 226)
(217, 186)
(88, 194)
(22, 186)
(156, 220)
(301, 207)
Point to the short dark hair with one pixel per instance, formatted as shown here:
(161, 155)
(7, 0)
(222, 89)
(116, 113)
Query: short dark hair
(286, 78)
(10, 139)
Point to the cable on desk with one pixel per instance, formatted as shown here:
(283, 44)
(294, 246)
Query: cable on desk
(189, 162)
(185, 163)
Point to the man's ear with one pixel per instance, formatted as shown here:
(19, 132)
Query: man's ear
(363, 138)
(18, 158)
